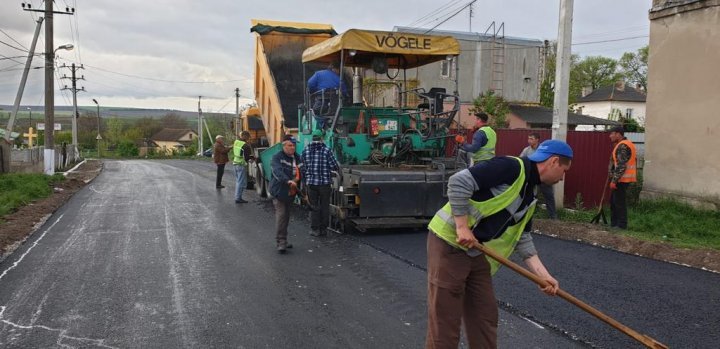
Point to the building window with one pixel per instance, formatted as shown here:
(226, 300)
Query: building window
(444, 68)
(628, 113)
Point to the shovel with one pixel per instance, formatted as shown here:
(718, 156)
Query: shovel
(644, 339)
(601, 212)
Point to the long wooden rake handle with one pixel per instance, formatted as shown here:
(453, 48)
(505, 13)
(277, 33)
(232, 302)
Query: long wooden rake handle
(644, 339)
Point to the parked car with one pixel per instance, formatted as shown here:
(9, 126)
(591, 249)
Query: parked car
(208, 152)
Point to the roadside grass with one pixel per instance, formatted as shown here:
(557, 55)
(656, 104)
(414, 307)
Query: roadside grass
(18, 189)
(661, 220)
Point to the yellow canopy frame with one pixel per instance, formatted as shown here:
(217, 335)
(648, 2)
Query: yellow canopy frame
(401, 50)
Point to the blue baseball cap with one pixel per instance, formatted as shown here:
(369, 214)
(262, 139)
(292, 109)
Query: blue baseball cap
(549, 148)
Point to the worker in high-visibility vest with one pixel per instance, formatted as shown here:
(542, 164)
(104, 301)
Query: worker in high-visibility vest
(242, 153)
(623, 171)
(482, 147)
(490, 202)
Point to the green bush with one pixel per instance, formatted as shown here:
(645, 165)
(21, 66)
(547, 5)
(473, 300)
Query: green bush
(127, 149)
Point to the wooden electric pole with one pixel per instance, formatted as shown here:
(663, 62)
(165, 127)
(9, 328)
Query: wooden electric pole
(562, 82)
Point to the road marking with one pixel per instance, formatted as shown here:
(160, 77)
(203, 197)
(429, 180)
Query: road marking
(17, 262)
(99, 342)
(532, 322)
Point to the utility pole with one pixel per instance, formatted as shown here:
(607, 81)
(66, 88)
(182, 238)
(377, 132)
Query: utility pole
(74, 90)
(49, 153)
(237, 112)
(21, 89)
(470, 16)
(200, 136)
(562, 82)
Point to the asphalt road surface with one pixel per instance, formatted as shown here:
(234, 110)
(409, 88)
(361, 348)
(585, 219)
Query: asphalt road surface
(151, 255)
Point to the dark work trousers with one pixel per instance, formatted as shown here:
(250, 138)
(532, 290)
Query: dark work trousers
(618, 206)
(549, 196)
(460, 291)
(220, 173)
(319, 197)
(282, 218)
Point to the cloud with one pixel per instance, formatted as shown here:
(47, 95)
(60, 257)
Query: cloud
(140, 53)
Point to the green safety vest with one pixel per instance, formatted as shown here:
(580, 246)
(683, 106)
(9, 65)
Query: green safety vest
(504, 198)
(487, 151)
(239, 154)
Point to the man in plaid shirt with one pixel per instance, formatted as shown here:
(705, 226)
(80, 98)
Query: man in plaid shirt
(318, 161)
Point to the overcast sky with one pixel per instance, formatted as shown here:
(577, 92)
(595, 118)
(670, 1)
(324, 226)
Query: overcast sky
(154, 54)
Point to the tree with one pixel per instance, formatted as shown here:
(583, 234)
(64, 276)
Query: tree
(635, 66)
(547, 87)
(598, 71)
(173, 120)
(114, 131)
(495, 106)
(148, 126)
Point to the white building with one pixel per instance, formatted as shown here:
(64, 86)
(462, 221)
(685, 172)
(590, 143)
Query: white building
(618, 99)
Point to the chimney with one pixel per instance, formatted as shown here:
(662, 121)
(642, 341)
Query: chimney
(586, 91)
(639, 88)
(620, 85)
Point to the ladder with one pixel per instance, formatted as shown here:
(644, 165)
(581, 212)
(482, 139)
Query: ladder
(497, 51)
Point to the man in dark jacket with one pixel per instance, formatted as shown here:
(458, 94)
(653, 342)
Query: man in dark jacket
(220, 157)
(283, 188)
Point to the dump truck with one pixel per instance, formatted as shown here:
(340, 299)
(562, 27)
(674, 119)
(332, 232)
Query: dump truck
(394, 168)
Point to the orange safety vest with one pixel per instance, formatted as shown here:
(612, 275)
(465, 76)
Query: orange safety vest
(630, 174)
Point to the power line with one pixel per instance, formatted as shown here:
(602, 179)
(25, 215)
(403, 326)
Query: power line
(442, 14)
(574, 44)
(454, 14)
(611, 40)
(164, 80)
(433, 12)
(13, 39)
(6, 44)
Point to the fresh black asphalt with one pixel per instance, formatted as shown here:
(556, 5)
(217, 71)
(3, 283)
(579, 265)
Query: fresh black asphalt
(151, 255)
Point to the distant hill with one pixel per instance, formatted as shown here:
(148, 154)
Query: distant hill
(130, 113)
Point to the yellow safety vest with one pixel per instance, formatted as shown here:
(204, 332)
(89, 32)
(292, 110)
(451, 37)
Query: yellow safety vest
(239, 154)
(487, 151)
(504, 198)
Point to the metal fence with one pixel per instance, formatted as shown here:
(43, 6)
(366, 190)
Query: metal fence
(32, 160)
(592, 150)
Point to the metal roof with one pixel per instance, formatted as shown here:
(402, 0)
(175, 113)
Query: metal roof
(171, 134)
(614, 93)
(472, 36)
(536, 114)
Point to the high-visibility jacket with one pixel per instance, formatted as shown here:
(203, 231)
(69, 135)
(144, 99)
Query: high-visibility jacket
(630, 174)
(487, 151)
(504, 198)
(239, 153)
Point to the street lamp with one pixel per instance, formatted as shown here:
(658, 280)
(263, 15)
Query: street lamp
(98, 118)
(64, 47)
(30, 109)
